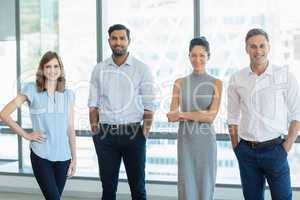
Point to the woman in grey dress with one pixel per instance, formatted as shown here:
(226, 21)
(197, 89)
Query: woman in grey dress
(195, 104)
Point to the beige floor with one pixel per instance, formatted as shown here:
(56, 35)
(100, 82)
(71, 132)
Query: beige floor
(18, 196)
(13, 196)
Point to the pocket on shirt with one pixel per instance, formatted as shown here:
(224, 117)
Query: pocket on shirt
(274, 110)
(243, 92)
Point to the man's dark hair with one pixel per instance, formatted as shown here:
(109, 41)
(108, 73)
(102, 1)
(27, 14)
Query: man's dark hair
(256, 31)
(119, 27)
(201, 41)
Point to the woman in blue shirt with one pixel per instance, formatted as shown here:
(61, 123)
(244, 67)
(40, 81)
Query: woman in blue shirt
(52, 142)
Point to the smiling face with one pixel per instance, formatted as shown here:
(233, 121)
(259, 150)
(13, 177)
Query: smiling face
(52, 70)
(119, 42)
(258, 49)
(198, 58)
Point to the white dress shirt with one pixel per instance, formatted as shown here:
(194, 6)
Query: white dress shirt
(262, 106)
(122, 93)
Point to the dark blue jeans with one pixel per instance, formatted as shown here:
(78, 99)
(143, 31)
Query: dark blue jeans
(258, 165)
(51, 176)
(111, 146)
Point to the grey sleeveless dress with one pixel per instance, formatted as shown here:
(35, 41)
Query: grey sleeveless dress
(197, 150)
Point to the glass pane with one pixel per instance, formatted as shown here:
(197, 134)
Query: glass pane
(7, 20)
(161, 31)
(50, 25)
(9, 146)
(87, 162)
(294, 162)
(8, 81)
(161, 166)
(226, 23)
(77, 47)
(158, 167)
(227, 165)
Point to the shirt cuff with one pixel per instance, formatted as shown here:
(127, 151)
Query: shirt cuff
(92, 104)
(295, 117)
(233, 121)
(152, 108)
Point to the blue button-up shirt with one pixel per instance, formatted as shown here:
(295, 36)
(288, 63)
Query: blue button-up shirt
(50, 115)
(122, 93)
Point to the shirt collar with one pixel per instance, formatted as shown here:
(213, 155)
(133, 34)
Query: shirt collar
(268, 71)
(128, 61)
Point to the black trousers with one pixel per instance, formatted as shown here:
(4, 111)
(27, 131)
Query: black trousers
(113, 144)
(51, 176)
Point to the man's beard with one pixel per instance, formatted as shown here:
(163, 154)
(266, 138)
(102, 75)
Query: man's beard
(118, 53)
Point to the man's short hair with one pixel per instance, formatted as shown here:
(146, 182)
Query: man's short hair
(119, 27)
(256, 31)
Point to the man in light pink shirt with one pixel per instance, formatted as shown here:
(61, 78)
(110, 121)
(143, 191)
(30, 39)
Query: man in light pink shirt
(263, 105)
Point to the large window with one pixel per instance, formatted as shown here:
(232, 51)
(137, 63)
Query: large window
(160, 31)
(78, 49)
(8, 80)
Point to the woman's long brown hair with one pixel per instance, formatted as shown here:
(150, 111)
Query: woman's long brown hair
(41, 79)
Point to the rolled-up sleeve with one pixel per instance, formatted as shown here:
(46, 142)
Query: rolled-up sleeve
(233, 104)
(147, 91)
(293, 99)
(28, 91)
(94, 100)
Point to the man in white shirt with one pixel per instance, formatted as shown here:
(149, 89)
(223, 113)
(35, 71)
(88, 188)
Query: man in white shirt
(263, 104)
(121, 107)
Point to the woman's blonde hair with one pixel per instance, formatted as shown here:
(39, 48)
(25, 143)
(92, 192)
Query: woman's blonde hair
(41, 79)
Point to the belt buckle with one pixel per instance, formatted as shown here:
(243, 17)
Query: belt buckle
(115, 126)
(254, 145)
